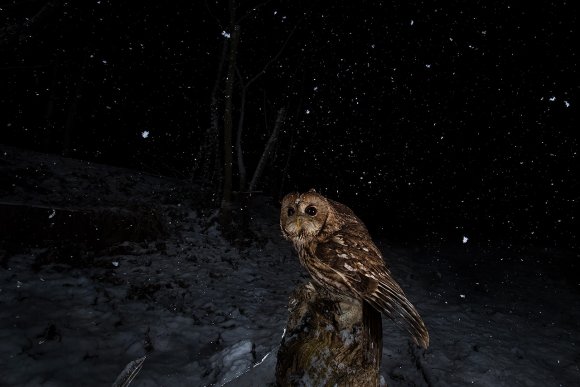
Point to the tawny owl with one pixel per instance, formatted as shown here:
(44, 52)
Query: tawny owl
(335, 247)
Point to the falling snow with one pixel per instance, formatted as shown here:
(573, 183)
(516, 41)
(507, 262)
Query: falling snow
(460, 122)
(209, 313)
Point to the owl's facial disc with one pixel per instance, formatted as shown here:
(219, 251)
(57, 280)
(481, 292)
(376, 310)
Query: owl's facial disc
(303, 216)
(300, 226)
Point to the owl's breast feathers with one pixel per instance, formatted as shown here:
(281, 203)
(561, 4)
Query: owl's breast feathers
(350, 263)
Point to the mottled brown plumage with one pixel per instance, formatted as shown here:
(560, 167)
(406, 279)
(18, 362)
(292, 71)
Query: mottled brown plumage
(335, 247)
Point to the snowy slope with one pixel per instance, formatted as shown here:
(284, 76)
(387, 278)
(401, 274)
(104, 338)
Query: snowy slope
(208, 313)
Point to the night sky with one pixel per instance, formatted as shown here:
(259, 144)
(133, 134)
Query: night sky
(432, 120)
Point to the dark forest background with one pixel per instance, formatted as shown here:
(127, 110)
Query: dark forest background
(432, 120)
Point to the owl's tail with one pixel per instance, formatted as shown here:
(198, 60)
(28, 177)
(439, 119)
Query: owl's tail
(390, 299)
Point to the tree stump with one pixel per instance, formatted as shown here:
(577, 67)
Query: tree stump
(329, 341)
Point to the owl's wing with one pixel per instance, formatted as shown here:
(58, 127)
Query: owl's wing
(359, 262)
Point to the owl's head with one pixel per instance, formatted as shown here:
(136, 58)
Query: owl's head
(303, 216)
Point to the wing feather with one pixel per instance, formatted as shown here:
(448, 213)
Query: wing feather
(359, 262)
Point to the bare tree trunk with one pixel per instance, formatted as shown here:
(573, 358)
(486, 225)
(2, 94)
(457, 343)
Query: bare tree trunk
(215, 176)
(226, 205)
(239, 150)
(268, 149)
(208, 164)
(329, 341)
(290, 143)
(245, 87)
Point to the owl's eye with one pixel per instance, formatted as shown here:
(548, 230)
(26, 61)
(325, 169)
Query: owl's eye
(311, 210)
(290, 211)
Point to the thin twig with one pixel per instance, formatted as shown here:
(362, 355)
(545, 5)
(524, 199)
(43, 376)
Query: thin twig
(217, 19)
(129, 372)
(249, 12)
(275, 57)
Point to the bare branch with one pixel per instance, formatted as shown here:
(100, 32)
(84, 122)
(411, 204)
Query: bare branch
(18, 30)
(268, 149)
(217, 19)
(129, 372)
(228, 123)
(275, 57)
(239, 151)
(253, 9)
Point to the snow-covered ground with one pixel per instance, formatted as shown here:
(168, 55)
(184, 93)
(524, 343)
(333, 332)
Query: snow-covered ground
(208, 313)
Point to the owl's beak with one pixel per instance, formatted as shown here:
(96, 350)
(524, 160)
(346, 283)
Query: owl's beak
(299, 223)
